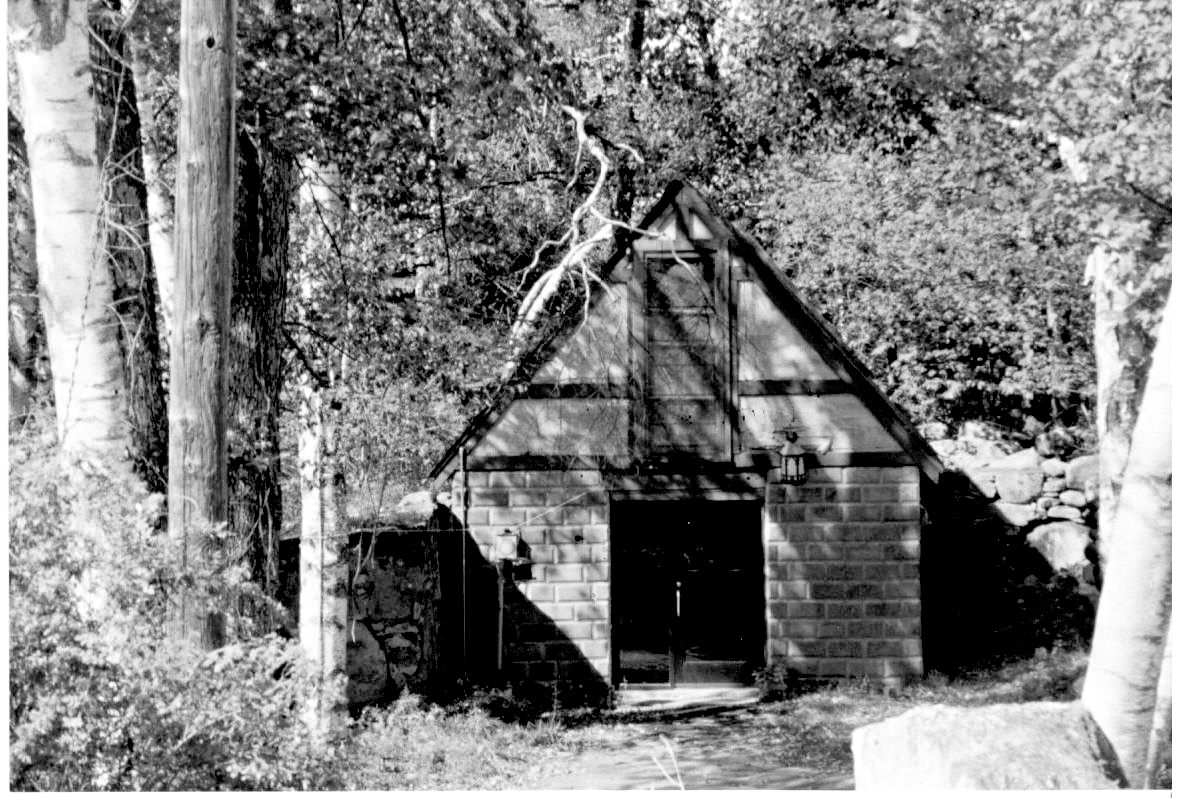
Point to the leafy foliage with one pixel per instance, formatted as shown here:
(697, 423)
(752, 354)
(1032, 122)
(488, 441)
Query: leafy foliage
(103, 698)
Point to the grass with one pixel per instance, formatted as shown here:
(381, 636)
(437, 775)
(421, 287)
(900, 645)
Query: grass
(408, 746)
(814, 729)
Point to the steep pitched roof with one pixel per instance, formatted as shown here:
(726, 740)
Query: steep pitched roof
(816, 330)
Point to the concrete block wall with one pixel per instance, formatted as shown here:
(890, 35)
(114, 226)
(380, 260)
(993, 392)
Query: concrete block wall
(557, 616)
(842, 573)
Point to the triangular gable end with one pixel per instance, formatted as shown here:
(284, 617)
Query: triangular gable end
(573, 394)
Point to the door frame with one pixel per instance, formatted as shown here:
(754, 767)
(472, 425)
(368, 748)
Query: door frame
(620, 502)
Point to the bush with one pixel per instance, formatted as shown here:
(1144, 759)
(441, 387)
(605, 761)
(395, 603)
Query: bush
(101, 696)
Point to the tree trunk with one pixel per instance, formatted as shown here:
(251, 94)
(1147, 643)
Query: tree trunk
(160, 212)
(52, 56)
(1121, 686)
(198, 350)
(1160, 734)
(123, 234)
(26, 332)
(254, 380)
(323, 599)
(624, 199)
(1122, 358)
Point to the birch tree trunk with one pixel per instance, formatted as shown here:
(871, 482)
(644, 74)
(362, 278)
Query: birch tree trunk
(160, 211)
(1116, 386)
(1132, 623)
(52, 55)
(323, 575)
(205, 219)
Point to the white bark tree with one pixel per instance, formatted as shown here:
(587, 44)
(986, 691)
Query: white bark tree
(1121, 688)
(53, 61)
(323, 576)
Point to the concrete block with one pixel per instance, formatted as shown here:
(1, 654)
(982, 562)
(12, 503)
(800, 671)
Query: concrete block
(843, 609)
(825, 551)
(545, 479)
(488, 497)
(508, 479)
(574, 592)
(797, 590)
(884, 648)
(825, 512)
(505, 516)
(908, 589)
(596, 572)
(902, 511)
(865, 629)
(805, 609)
(1042, 745)
(576, 630)
(563, 573)
(843, 648)
(861, 512)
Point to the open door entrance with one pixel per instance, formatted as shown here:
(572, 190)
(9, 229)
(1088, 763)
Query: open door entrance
(687, 592)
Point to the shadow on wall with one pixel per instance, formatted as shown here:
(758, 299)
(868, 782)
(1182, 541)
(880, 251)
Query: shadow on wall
(988, 596)
(424, 617)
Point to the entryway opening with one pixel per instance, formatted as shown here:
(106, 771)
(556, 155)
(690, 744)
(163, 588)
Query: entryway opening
(686, 592)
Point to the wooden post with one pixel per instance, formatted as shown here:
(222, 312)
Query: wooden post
(204, 227)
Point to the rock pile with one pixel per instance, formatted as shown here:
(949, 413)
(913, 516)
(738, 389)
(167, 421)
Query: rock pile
(1054, 501)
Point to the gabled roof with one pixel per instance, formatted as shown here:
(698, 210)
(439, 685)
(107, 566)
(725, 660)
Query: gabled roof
(815, 329)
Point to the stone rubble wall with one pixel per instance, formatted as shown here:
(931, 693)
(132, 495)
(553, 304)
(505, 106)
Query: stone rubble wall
(1054, 501)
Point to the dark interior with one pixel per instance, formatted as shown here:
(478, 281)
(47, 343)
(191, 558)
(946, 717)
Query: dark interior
(687, 592)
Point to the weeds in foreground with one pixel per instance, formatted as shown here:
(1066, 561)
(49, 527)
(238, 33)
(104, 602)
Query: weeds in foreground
(814, 729)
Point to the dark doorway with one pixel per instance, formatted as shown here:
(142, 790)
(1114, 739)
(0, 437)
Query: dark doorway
(686, 592)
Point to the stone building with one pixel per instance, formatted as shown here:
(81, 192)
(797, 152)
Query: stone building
(634, 485)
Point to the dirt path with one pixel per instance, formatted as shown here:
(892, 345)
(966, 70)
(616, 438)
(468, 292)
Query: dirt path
(713, 748)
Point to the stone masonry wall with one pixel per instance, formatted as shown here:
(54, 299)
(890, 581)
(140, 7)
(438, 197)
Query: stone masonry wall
(557, 615)
(842, 570)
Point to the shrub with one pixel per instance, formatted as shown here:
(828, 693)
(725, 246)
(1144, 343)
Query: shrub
(101, 696)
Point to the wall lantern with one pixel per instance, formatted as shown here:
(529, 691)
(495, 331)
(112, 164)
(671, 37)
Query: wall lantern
(792, 468)
(507, 545)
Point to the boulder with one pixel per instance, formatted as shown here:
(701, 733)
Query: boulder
(1066, 513)
(1046, 502)
(944, 448)
(1084, 472)
(984, 481)
(415, 509)
(366, 666)
(1053, 467)
(1062, 544)
(1024, 459)
(1016, 514)
(1019, 486)
(933, 430)
(1042, 745)
(1073, 498)
(1054, 485)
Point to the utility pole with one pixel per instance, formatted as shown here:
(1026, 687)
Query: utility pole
(202, 295)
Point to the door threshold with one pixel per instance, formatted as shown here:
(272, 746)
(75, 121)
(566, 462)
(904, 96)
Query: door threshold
(699, 697)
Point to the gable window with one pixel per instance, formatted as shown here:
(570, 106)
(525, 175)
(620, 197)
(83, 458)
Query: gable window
(683, 365)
